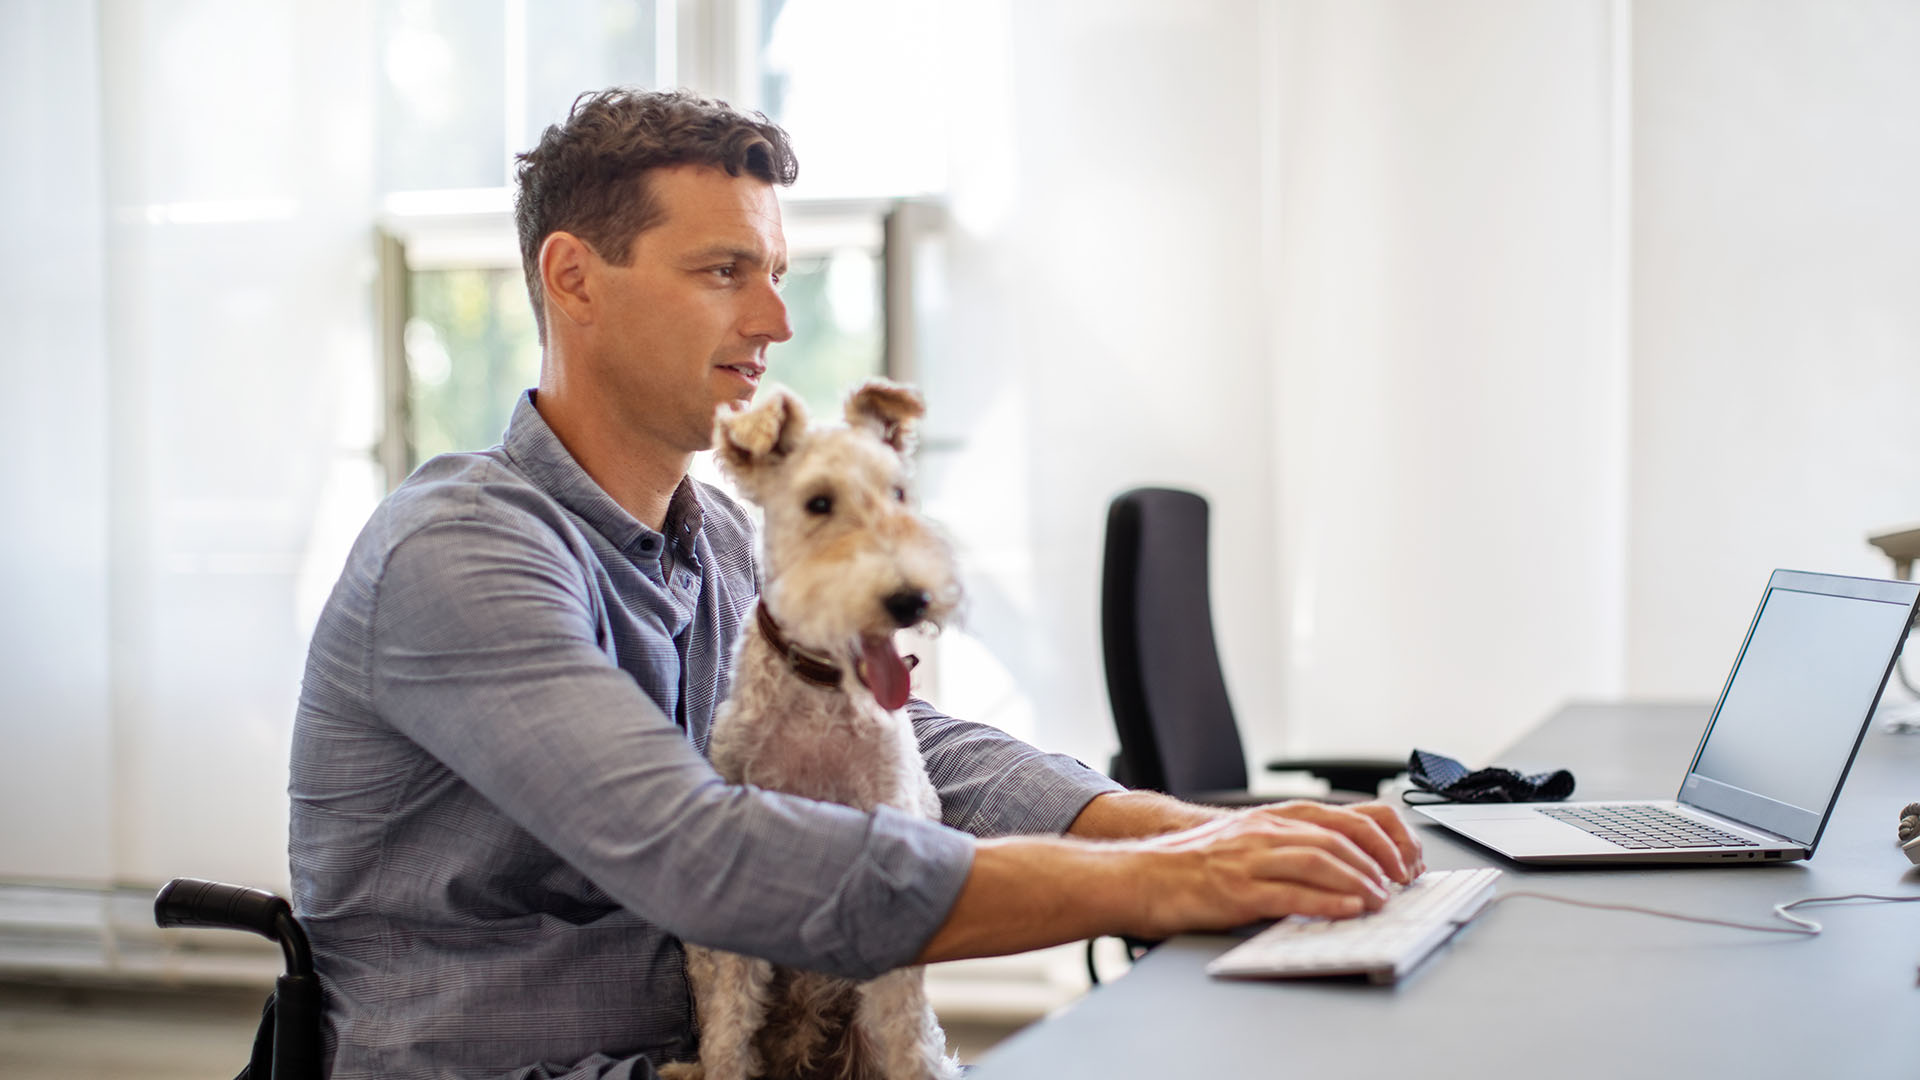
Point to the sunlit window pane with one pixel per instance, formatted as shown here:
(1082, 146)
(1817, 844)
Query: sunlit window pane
(579, 45)
(442, 94)
(820, 64)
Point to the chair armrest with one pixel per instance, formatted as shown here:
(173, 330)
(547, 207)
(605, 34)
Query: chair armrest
(1344, 774)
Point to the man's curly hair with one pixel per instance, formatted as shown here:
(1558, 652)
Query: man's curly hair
(588, 174)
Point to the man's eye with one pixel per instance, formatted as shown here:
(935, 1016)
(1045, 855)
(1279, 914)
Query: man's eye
(723, 271)
(820, 504)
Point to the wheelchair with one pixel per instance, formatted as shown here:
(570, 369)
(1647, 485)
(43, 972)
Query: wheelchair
(287, 1046)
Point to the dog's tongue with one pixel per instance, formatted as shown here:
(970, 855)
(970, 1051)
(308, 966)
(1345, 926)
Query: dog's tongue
(882, 671)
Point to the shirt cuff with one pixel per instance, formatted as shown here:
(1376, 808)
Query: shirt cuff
(886, 907)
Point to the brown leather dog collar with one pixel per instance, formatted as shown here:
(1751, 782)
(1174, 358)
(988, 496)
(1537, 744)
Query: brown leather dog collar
(814, 667)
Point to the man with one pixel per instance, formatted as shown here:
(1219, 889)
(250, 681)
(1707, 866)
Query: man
(503, 824)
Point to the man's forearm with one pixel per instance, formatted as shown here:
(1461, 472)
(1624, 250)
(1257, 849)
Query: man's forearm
(1134, 815)
(1031, 892)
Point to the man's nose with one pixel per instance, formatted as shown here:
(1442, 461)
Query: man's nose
(769, 316)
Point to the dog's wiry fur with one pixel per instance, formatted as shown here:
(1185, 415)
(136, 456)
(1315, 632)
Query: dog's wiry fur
(842, 553)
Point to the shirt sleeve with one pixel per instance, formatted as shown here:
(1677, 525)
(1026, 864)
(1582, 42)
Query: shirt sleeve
(992, 784)
(485, 653)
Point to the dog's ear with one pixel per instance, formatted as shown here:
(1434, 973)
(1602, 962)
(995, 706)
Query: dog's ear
(888, 410)
(763, 435)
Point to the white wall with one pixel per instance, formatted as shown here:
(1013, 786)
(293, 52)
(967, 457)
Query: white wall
(1449, 398)
(1131, 274)
(1776, 311)
(1349, 269)
(1515, 342)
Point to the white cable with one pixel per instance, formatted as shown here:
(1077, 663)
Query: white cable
(1803, 927)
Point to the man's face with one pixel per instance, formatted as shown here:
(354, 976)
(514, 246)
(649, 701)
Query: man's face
(687, 322)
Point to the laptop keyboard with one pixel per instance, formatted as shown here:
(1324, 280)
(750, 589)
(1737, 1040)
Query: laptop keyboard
(1643, 827)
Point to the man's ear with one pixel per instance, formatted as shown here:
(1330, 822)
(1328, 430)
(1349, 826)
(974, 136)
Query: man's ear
(888, 410)
(565, 260)
(762, 436)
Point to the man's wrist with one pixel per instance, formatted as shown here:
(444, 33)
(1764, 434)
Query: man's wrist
(1134, 815)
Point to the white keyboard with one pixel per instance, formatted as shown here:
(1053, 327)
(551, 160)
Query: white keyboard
(1383, 946)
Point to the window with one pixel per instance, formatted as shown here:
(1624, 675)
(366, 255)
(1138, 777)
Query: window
(465, 85)
(467, 345)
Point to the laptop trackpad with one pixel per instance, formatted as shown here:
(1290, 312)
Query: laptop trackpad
(1520, 831)
(1483, 812)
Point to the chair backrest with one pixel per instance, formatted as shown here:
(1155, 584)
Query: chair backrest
(1170, 704)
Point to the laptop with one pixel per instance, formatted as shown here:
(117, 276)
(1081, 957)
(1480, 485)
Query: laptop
(1768, 770)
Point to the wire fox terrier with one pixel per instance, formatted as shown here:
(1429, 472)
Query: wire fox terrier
(815, 711)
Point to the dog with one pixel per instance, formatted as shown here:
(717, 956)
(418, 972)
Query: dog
(815, 710)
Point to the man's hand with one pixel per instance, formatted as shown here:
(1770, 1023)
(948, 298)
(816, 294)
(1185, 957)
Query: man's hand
(1270, 861)
(1227, 870)
(1138, 815)
(1374, 827)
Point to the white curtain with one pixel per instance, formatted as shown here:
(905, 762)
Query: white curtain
(55, 714)
(190, 261)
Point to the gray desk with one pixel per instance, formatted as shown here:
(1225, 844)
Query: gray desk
(1539, 989)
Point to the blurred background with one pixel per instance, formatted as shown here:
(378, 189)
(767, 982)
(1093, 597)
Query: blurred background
(1513, 341)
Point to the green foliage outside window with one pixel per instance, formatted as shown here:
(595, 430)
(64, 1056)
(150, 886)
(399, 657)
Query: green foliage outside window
(471, 347)
(838, 339)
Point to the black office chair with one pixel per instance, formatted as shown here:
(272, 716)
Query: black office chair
(287, 1046)
(1170, 706)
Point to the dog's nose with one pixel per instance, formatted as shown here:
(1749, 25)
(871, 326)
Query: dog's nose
(906, 606)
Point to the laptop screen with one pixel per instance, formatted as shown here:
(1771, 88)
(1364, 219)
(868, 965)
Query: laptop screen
(1797, 703)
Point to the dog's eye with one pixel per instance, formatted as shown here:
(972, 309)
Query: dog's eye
(820, 504)
(899, 494)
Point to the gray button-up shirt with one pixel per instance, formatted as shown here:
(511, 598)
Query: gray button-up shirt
(503, 822)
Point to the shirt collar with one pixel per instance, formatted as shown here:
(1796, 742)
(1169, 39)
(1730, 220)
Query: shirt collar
(685, 515)
(537, 451)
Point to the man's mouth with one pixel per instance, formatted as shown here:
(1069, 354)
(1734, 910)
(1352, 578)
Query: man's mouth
(749, 371)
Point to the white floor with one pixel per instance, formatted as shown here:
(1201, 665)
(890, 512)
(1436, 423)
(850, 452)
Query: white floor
(54, 1032)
